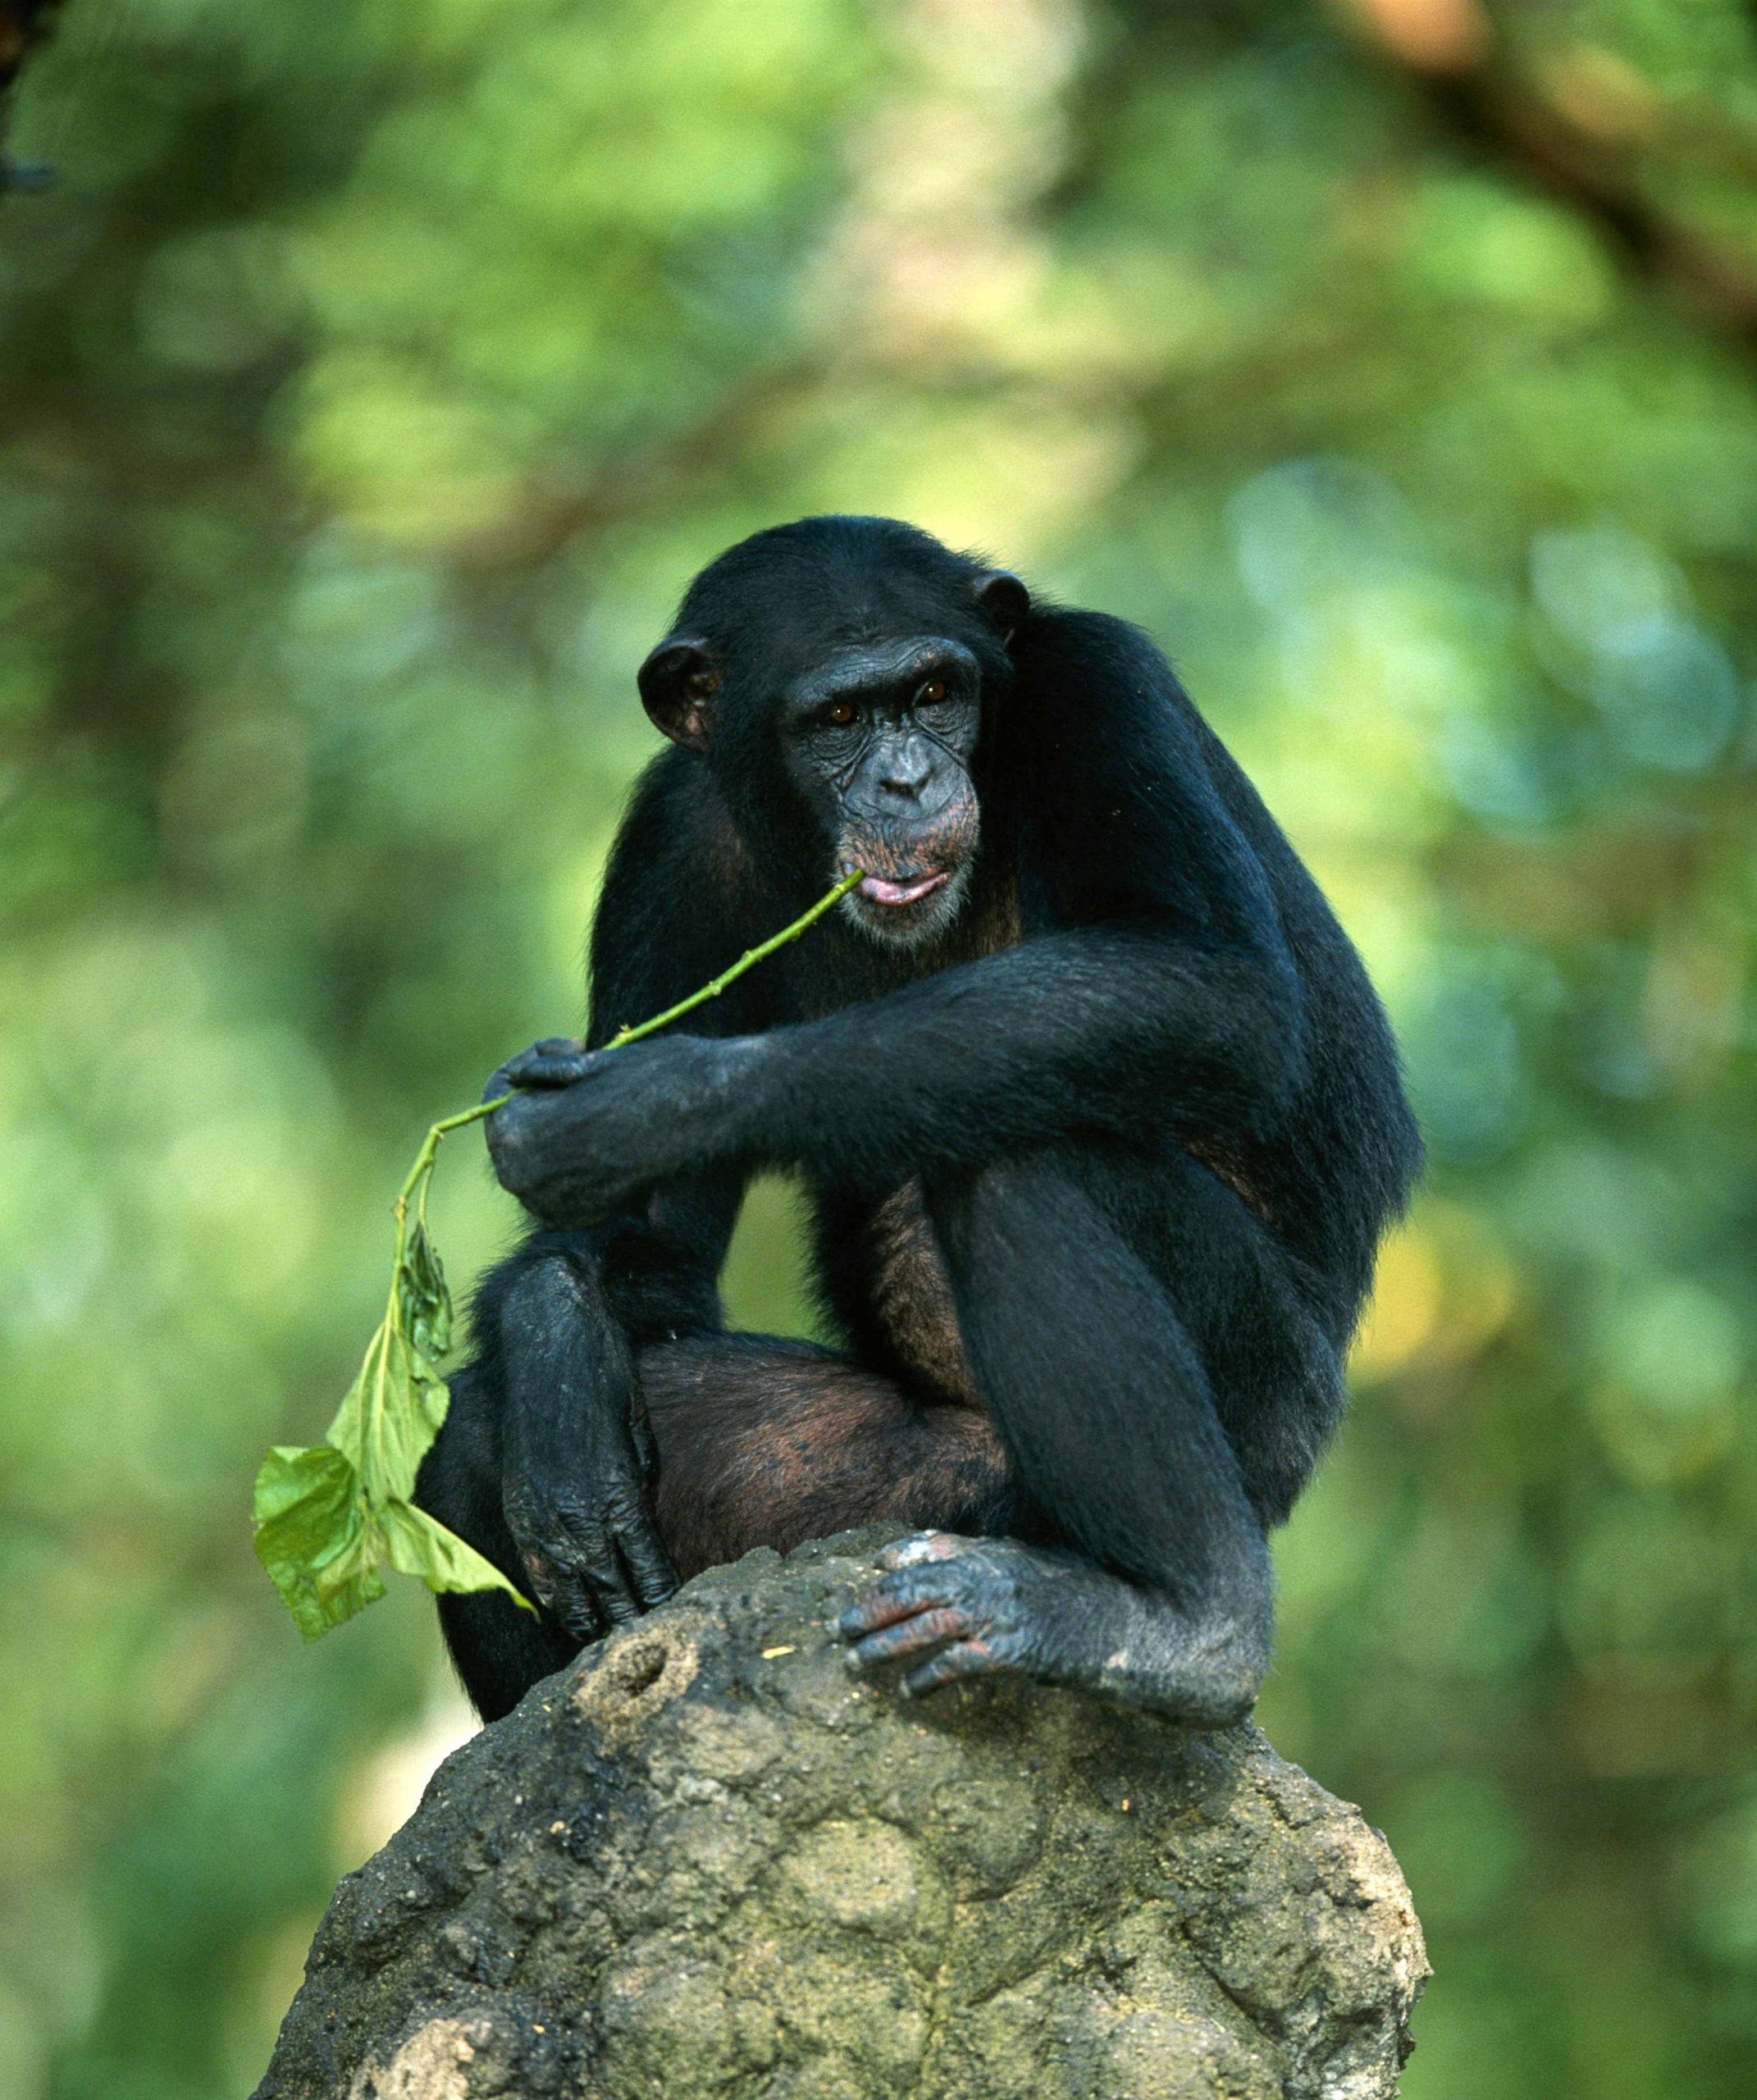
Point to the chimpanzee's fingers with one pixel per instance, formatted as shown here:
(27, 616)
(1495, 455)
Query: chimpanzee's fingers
(619, 1605)
(557, 1060)
(564, 1598)
(594, 1570)
(649, 1565)
(909, 1636)
(578, 1612)
(968, 1658)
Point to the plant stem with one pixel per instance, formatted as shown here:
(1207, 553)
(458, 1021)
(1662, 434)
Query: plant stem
(713, 989)
(429, 1152)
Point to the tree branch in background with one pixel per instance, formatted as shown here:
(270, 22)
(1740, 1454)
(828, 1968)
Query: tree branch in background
(1575, 133)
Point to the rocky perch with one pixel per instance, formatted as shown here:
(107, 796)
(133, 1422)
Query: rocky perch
(703, 1860)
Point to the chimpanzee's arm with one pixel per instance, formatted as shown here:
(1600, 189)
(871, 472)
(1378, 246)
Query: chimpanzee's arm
(1105, 1030)
(1108, 1029)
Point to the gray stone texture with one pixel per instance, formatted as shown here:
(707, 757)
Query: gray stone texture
(704, 1860)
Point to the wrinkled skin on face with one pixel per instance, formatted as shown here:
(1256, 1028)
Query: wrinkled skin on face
(878, 742)
(846, 733)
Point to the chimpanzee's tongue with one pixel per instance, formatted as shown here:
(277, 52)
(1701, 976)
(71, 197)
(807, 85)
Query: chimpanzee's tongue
(879, 891)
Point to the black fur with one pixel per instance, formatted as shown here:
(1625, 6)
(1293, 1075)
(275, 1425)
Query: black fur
(1102, 1136)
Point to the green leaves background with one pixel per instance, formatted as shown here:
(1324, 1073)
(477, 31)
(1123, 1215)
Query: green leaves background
(370, 390)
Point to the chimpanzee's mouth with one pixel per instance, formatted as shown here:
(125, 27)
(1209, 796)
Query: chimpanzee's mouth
(908, 889)
(906, 904)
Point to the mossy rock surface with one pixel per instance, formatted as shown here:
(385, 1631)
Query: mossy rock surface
(688, 1867)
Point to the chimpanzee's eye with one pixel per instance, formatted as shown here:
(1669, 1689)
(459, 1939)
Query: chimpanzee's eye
(932, 693)
(840, 713)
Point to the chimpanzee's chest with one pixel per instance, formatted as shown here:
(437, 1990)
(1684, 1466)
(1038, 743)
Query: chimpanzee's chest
(903, 1276)
(911, 1292)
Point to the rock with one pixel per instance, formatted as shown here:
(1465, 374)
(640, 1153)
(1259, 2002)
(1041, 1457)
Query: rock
(704, 1860)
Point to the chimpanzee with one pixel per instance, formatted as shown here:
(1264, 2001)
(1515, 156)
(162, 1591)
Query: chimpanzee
(1100, 1118)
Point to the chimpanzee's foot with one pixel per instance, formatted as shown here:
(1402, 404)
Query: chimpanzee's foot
(953, 1607)
(984, 1604)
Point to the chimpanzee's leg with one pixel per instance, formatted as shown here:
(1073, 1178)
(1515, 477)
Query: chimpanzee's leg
(1153, 1584)
(763, 1441)
(498, 1651)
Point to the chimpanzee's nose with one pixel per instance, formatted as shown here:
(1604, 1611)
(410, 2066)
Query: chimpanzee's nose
(905, 770)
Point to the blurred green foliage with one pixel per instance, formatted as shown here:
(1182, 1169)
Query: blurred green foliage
(373, 379)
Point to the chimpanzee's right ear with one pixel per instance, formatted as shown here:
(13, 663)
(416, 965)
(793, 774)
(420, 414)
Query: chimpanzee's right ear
(678, 685)
(1004, 598)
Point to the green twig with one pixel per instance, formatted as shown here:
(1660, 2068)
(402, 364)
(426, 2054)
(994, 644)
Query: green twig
(425, 1159)
(750, 955)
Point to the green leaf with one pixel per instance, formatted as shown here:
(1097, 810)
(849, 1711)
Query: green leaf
(417, 1545)
(421, 1295)
(393, 1411)
(312, 1535)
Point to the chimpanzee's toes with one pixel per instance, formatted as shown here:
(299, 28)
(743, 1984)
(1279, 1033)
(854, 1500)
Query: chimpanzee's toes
(911, 1637)
(963, 1658)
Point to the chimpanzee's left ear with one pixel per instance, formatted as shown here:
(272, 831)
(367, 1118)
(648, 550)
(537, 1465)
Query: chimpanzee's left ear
(678, 684)
(1004, 599)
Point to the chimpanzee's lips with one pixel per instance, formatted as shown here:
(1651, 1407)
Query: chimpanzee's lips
(876, 889)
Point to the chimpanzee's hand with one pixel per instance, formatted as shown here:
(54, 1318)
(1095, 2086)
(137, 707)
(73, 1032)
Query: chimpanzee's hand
(578, 1456)
(585, 1129)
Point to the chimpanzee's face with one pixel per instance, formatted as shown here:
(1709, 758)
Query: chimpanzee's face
(833, 674)
(877, 739)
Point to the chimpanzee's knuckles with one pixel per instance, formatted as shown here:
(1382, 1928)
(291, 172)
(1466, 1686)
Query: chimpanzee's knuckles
(551, 1525)
(982, 1587)
(624, 1505)
(583, 1541)
(914, 1587)
(590, 1572)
